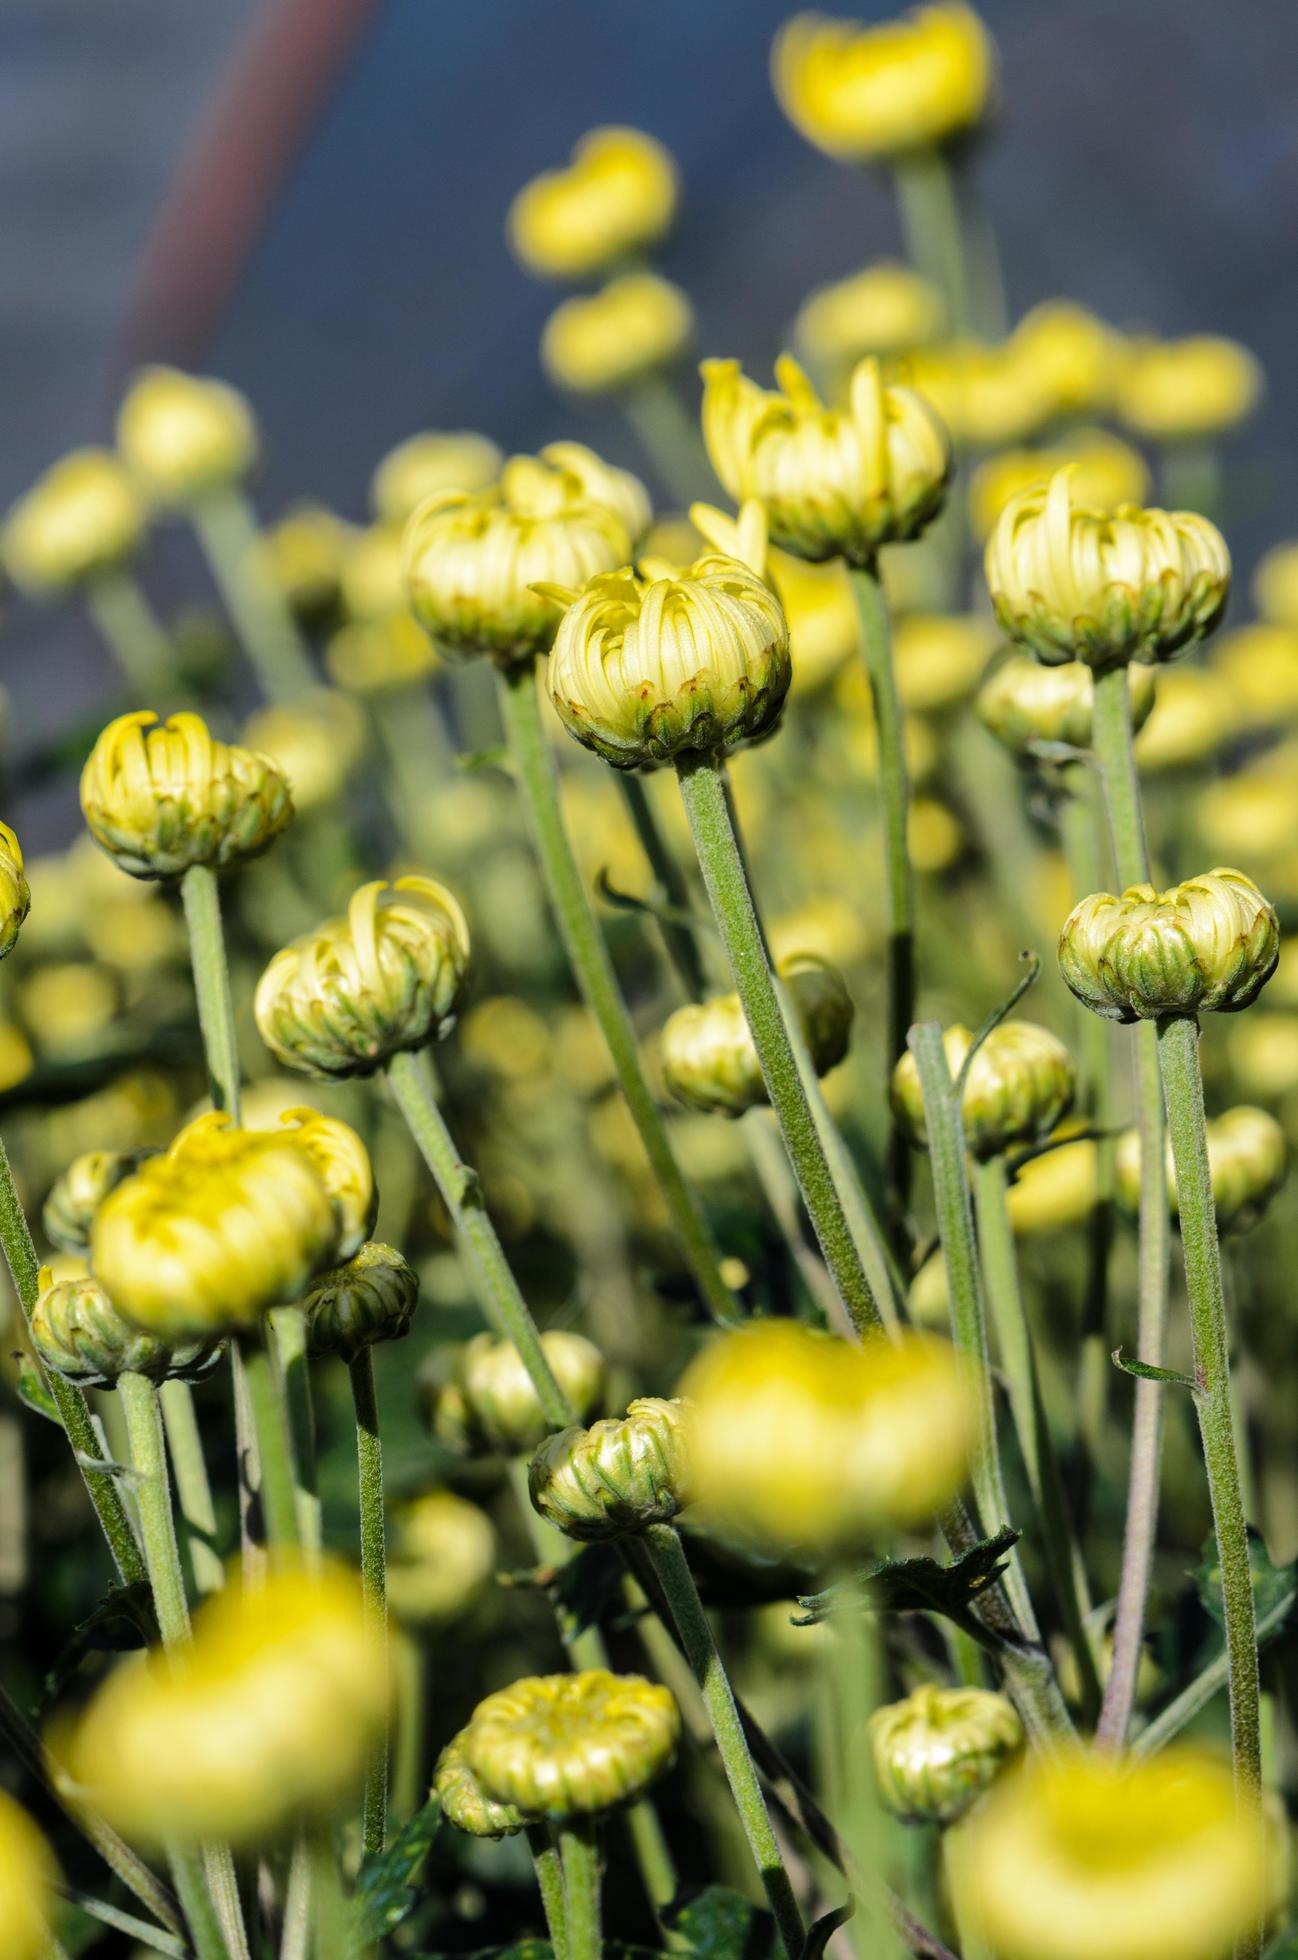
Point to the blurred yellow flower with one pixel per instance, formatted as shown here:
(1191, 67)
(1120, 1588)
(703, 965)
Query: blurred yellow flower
(1253, 815)
(600, 343)
(80, 520)
(861, 93)
(1263, 1051)
(427, 465)
(371, 655)
(1058, 1188)
(316, 740)
(1247, 1159)
(27, 1881)
(940, 658)
(303, 554)
(183, 436)
(1107, 472)
(883, 309)
(1259, 665)
(824, 625)
(1071, 353)
(441, 1559)
(1193, 716)
(825, 927)
(68, 1005)
(1275, 585)
(1183, 390)
(985, 392)
(1022, 702)
(934, 835)
(616, 196)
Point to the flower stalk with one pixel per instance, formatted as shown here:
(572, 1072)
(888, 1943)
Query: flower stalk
(369, 1461)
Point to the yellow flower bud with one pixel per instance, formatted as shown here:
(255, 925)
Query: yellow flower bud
(616, 196)
(81, 519)
(1275, 586)
(1194, 716)
(159, 798)
(860, 93)
(1253, 814)
(803, 1444)
(1185, 390)
(823, 928)
(343, 1165)
(15, 894)
(372, 1298)
(77, 1195)
(1020, 1083)
(939, 1749)
(601, 343)
(884, 309)
(266, 1718)
(617, 1476)
(1264, 1054)
(985, 393)
(427, 465)
(1247, 1159)
(473, 563)
(79, 1333)
(602, 483)
(183, 436)
(708, 1058)
(501, 1404)
(374, 654)
(341, 1000)
(833, 482)
(824, 624)
(1107, 473)
(1259, 666)
(463, 1801)
(928, 1297)
(571, 1745)
(442, 1556)
(372, 581)
(1061, 1187)
(204, 1239)
(1076, 584)
(303, 556)
(27, 1880)
(1073, 355)
(1023, 703)
(1207, 945)
(315, 742)
(1084, 1856)
(939, 658)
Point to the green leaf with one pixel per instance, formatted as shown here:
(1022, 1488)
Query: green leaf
(916, 1585)
(32, 1391)
(1145, 1371)
(717, 1924)
(496, 757)
(122, 1622)
(822, 1931)
(385, 1889)
(1275, 1587)
(587, 1589)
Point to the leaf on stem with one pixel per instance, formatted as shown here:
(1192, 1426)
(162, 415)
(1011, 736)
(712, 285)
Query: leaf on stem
(1145, 1371)
(916, 1585)
(122, 1622)
(385, 1888)
(718, 1924)
(32, 1391)
(1275, 1587)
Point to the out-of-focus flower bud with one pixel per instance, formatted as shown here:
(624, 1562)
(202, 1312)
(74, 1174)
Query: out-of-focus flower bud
(1058, 1188)
(1078, 1855)
(1264, 1055)
(1078, 584)
(303, 555)
(343, 1165)
(15, 894)
(1247, 1159)
(341, 1000)
(500, 1400)
(183, 436)
(77, 1195)
(463, 1800)
(371, 581)
(1072, 354)
(708, 1058)
(1023, 703)
(939, 1749)
(1020, 1083)
(940, 658)
(315, 742)
(602, 483)
(81, 519)
(79, 1333)
(27, 1880)
(572, 1745)
(1107, 474)
(1253, 814)
(1194, 717)
(162, 796)
(616, 196)
(928, 1297)
(860, 93)
(204, 1239)
(372, 655)
(442, 1555)
(884, 309)
(824, 625)
(807, 1445)
(823, 928)
(985, 393)
(617, 1476)
(266, 1718)
(1208, 945)
(600, 343)
(833, 482)
(1259, 665)
(427, 465)
(1186, 390)
(1275, 586)
(372, 1298)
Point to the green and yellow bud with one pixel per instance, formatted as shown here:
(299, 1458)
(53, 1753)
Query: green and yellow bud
(616, 196)
(77, 1195)
(341, 1000)
(28, 1877)
(984, 392)
(501, 1404)
(372, 1298)
(602, 343)
(343, 1165)
(463, 1801)
(183, 436)
(939, 1749)
(1247, 1159)
(1206, 946)
(428, 465)
(863, 93)
(1107, 473)
(82, 519)
(709, 1061)
(15, 893)
(1020, 1083)
(617, 1476)
(1186, 390)
(79, 1333)
(1024, 704)
(572, 1745)
(884, 309)
(940, 658)
(303, 556)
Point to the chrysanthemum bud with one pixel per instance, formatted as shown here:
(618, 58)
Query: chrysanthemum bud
(463, 1800)
(82, 519)
(1020, 1083)
(441, 1557)
(473, 562)
(204, 1239)
(940, 658)
(806, 1444)
(429, 464)
(617, 1476)
(27, 1881)
(15, 894)
(342, 999)
(315, 741)
(1186, 390)
(1105, 588)
(1247, 1158)
(344, 1168)
(616, 196)
(162, 796)
(1208, 945)
(372, 1298)
(571, 1745)
(372, 655)
(501, 1402)
(1024, 703)
(1072, 354)
(862, 92)
(884, 309)
(183, 436)
(940, 1748)
(1107, 473)
(708, 1058)
(77, 1195)
(600, 343)
(78, 1332)
(984, 392)
(833, 482)
(1196, 714)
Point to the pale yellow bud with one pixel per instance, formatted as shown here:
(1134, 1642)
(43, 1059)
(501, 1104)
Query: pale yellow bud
(343, 1165)
(1275, 586)
(1058, 1188)
(1193, 717)
(427, 465)
(939, 1749)
(824, 624)
(1247, 1160)
(316, 742)
(15, 894)
(617, 1476)
(1107, 473)
(709, 1061)
(372, 655)
(1208, 945)
(1264, 1054)
(78, 1332)
(862, 92)
(182, 436)
(939, 658)
(1020, 1083)
(1072, 354)
(1186, 390)
(985, 392)
(884, 309)
(83, 518)
(602, 483)
(303, 556)
(568, 1745)
(27, 1880)
(1252, 815)
(441, 1559)
(1024, 703)
(605, 342)
(616, 196)
(1259, 666)
(500, 1399)
(77, 1195)
(372, 580)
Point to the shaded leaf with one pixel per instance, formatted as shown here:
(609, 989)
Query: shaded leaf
(822, 1931)
(1275, 1587)
(496, 757)
(718, 1924)
(916, 1585)
(32, 1391)
(1145, 1371)
(587, 1590)
(385, 1889)
(122, 1622)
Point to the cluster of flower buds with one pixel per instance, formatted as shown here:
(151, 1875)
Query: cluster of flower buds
(708, 1058)
(1025, 704)
(183, 436)
(489, 1403)
(939, 1749)
(369, 1299)
(561, 1745)
(1208, 945)
(618, 1476)
(1247, 1160)
(1019, 1084)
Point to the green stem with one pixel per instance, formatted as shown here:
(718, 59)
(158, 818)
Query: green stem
(288, 1333)
(777, 1181)
(1178, 1054)
(680, 940)
(196, 1903)
(681, 1594)
(127, 623)
(1201, 1690)
(668, 432)
(856, 1690)
(930, 219)
(592, 968)
(579, 1850)
(193, 1488)
(1189, 477)
(297, 1904)
(894, 795)
(140, 1404)
(497, 1289)
(331, 1910)
(550, 1883)
(369, 1463)
(228, 533)
(1111, 736)
(202, 901)
(702, 781)
(274, 1445)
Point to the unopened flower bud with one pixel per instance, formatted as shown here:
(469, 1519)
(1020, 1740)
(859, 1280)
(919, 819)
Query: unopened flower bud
(82, 519)
(341, 1000)
(616, 196)
(441, 1557)
(1247, 1160)
(372, 1298)
(884, 309)
(1186, 390)
(79, 1333)
(183, 436)
(1208, 945)
(1070, 352)
(1107, 473)
(28, 1877)
(571, 1745)
(1020, 1083)
(15, 894)
(940, 1748)
(429, 464)
(617, 1476)
(833, 482)
(1025, 703)
(601, 343)
(315, 741)
(708, 1058)
(77, 1195)
(162, 796)
(303, 557)
(1104, 587)
(463, 1801)
(501, 1402)
(861, 92)
(344, 1168)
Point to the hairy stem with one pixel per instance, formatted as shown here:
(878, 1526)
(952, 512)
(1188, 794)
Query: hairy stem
(579, 1851)
(369, 1462)
(227, 531)
(549, 1879)
(193, 1488)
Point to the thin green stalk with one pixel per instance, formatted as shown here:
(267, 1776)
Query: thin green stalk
(592, 968)
(668, 432)
(296, 1924)
(231, 541)
(679, 939)
(288, 1333)
(331, 1911)
(139, 1400)
(653, 1855)
(196, 1903)
(369, 1463)
(139, 1931)
(550, 1883)
(1032, 1426)
(418, 749)
(856, 1690)
(128, 625)
(1213, 1678)
(274, 1446)
(681, 1594)
(497, 1289)
(202, 901)
(777, 1181)
(409, 1660)
(193, 1488)
(579, 1851)
(702, 781)
(894, 799)
(1111, 736)
(1178, 1054)
(930, 219)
